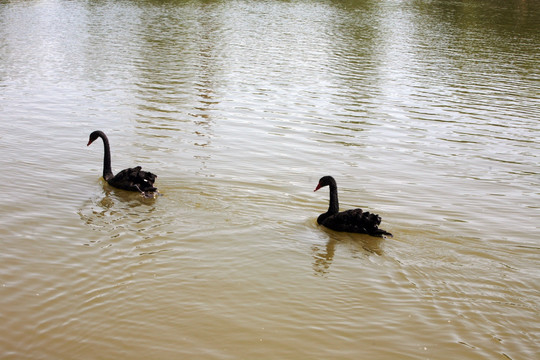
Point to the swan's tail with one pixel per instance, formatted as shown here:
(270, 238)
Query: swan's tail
(371, 223)
(381, 233)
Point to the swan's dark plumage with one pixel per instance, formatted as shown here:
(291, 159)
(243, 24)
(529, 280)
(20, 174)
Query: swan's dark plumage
(354, 221)
(132, 179)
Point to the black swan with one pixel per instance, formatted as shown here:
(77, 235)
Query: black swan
(354, 221)
(132, 179)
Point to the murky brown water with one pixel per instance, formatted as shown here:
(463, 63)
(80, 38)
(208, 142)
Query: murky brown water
(426, 112)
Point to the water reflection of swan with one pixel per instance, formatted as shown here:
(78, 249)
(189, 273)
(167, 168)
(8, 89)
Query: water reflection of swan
(323, 256)
(131, 225)
(112, 213)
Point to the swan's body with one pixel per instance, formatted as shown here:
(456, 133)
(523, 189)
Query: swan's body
(132, 179)
(354, 221)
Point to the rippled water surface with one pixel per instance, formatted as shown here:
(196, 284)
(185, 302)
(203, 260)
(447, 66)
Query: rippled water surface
(426, 112)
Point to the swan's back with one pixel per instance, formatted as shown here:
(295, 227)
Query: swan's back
(134, 179)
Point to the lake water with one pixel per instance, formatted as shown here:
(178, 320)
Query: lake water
(425, 112)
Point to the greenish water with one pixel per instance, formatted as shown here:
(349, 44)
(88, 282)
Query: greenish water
(426, 112)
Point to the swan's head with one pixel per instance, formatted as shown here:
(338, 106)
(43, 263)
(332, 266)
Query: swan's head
(325, 181)
(94, 136)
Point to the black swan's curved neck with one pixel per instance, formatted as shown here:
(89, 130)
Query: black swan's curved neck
(333, 208)
(107, 171)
